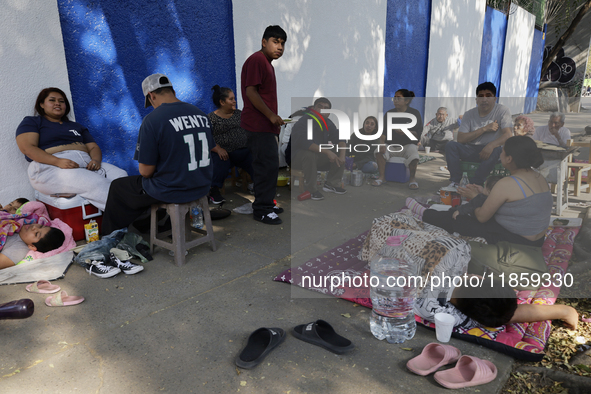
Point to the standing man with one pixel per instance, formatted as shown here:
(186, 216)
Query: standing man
(173, 152)
(554, 133)
(481, 136)
(260, 119)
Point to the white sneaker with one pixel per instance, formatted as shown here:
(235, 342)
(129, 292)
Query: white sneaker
(98, 268)
(127, 267)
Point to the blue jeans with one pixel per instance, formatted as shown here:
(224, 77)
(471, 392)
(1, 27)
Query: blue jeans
(456, 152)
(240, 158)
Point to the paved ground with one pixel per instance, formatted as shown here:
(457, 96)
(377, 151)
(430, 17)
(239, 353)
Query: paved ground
(178, 330)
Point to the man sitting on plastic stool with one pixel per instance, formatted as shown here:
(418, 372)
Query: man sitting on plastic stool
(173, 151)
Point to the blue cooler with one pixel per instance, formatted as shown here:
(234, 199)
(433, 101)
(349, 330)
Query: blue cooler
(396, 171)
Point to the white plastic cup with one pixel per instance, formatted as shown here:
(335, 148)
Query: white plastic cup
(444, 324)
(427, 150)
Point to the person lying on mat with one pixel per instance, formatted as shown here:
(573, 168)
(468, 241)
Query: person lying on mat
(14, 206)
(491, 305)
(518, 208)
(30, 237)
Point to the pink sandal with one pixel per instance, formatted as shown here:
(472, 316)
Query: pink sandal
(433, 356)
(469, 371)
(42, 287)
(63, 299)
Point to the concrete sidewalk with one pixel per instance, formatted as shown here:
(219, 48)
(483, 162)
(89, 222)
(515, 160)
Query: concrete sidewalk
(179, 329)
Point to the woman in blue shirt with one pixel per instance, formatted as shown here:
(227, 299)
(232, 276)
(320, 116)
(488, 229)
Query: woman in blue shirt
(63, 155)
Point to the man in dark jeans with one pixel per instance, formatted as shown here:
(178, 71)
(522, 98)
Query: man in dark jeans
(260, 119)
(321, 150)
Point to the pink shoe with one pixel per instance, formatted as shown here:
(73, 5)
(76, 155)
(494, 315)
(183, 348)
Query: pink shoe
(433, 356)
(63, 299)
(43, 287)
(469, 371)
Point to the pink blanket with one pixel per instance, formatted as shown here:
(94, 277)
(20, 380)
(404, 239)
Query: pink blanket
(524, 341)
(34, 212)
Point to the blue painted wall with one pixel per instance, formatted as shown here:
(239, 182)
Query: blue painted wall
(493, 48)
(535, 71)
(112, 45)
(407, 50)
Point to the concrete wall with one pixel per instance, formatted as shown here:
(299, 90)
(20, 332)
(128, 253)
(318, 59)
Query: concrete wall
(535, 71)
(493, 47)
(111, 46)
(407, 50)
(454, 54)
(32, 58)
(346, 49)
(516, 59)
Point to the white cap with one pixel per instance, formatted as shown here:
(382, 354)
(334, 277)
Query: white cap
(154, 82)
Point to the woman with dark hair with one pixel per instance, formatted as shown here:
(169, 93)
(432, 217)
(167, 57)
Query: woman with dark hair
(230, 149)
(517, 209)
(30, 237)
(63, 155)
(410, 152)
(365, 161)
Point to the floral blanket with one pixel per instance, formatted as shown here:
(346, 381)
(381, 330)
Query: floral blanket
(34, 212)
(340, 272)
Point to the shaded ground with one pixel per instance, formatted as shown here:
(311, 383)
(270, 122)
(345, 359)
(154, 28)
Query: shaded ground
(178, 329)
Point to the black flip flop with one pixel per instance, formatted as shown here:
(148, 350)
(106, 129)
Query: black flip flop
(260, 343)
(320, 333)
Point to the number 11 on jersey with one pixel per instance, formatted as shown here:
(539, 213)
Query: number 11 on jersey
(204, 161)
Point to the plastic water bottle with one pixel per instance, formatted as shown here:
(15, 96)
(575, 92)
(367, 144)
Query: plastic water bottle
(196, 217)
(392, 315)
(463, 183)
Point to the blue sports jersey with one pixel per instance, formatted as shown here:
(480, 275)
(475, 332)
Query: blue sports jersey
(54, 133)
(176, 138)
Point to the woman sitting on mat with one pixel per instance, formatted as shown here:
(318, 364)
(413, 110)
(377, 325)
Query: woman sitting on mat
(30, 237)
(230, 149)
(410, 152)
(365, 161)
(63, 155)
(518, 208)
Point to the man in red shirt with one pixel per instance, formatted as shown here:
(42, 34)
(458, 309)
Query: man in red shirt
(260, 119)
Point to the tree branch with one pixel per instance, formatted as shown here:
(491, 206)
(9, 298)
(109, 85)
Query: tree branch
(571, 29)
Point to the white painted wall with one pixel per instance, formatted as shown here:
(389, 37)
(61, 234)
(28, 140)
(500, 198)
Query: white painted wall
(520, 35)
(333, 49)
(33, 58)
(454, 55)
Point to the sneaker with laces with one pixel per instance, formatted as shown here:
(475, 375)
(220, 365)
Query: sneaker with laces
(100, 269)
(127, 267)
(333, 189)
(316, 196)
(277, 209)
(270, 218)
(215, 196)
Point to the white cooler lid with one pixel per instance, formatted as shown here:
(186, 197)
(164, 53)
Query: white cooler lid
(61, 202)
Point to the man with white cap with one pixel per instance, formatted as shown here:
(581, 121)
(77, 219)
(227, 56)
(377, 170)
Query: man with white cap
(173, 151)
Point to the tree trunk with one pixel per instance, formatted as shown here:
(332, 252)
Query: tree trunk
(571, 29)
